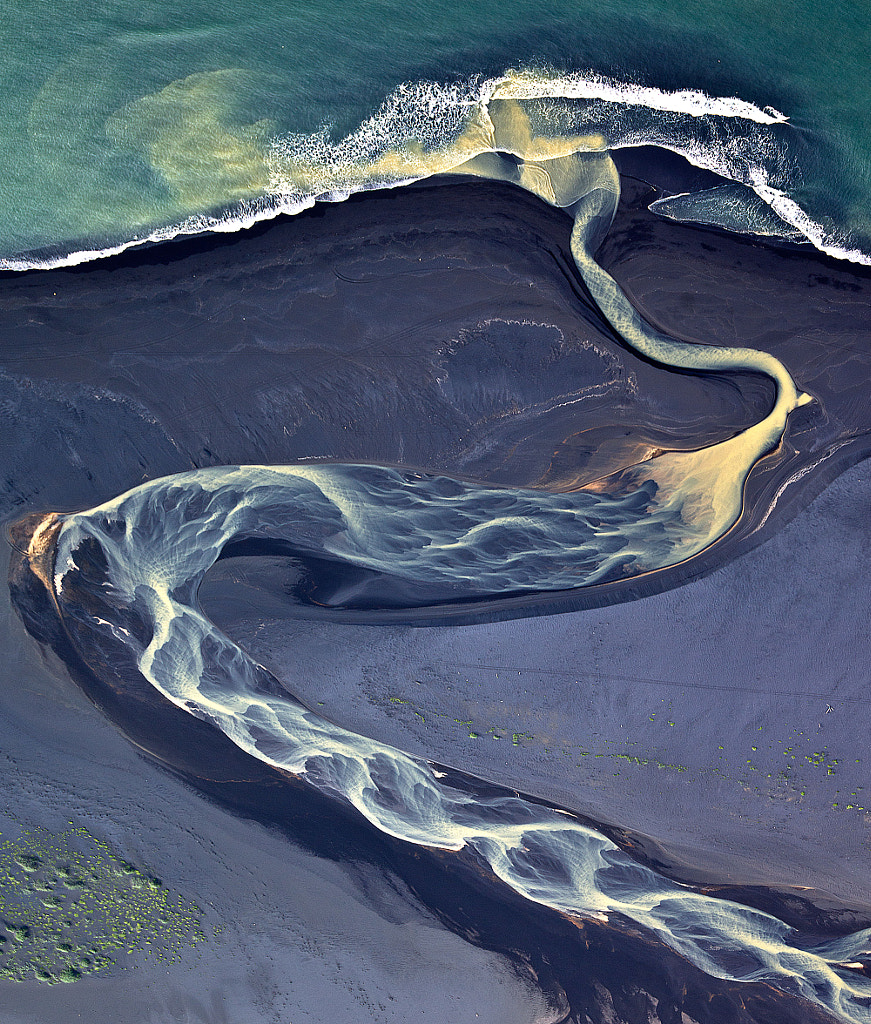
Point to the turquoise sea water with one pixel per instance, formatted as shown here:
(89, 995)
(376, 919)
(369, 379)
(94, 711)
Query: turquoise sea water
(128, 120)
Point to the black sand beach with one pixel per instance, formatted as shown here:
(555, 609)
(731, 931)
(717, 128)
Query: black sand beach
(547, 966)
(714, 724)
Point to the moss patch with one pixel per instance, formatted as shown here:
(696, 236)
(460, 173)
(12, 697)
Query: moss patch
(69, 907)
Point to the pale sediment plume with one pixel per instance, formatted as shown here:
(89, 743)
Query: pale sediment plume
(129, 572)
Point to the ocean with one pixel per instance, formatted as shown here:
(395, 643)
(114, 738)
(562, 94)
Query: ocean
(133, 122)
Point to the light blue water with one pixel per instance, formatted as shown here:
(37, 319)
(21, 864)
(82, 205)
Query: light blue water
(133, 122)
(127, 574)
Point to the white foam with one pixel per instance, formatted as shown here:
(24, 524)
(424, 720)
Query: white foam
(786, 208)
(591, 86)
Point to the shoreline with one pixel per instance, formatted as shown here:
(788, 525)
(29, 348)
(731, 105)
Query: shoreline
(771, 496)
(673, 165)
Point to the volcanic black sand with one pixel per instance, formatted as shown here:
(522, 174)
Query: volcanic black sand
(717, 726)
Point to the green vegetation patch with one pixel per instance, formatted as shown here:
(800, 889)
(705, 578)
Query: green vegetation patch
(70, 907)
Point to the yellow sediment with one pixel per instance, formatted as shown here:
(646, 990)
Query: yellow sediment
(187, 132)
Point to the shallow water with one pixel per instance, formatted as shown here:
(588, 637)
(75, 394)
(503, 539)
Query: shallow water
(140, 393)
(124, 577)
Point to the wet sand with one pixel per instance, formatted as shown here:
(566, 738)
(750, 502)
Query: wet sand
(699, 717)
(336, 335)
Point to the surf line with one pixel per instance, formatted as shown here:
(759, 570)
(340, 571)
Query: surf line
(124, 576)
(482, 540)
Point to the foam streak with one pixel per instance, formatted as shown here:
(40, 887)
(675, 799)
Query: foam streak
(424, 129)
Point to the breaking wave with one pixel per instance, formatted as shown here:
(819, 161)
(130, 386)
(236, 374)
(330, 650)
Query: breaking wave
(224, 177)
